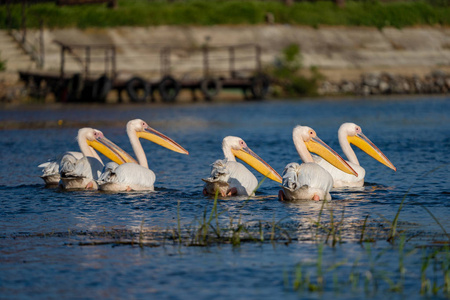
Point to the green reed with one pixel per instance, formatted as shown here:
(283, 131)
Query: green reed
(208, 230)
(141, 233)
(332, 228)
(363, 274)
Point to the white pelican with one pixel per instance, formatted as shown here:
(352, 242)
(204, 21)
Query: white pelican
(230, 177)
(133, 176)
(350, 133)
(309, 181)
(81, 171)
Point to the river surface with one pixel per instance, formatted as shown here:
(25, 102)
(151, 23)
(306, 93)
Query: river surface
(90, 244)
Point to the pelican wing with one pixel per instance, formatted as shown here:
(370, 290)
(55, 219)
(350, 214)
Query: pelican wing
(218, 179)
(219, 171)
(241, 178)
(126, 177)
(50, 172)
(79, 173)
(108, 172)
(50, 169)
(226, 175)
(85, 167)
(302, 182)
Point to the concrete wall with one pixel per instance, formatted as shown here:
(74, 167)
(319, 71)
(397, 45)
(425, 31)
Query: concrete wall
(338, 51)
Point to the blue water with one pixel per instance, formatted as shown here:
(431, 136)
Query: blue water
(43, 231)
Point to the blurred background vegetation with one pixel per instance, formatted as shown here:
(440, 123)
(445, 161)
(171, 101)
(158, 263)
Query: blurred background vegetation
(213, 12)
(288, 75)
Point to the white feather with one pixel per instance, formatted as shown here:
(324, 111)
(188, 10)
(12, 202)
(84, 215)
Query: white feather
(50, 172)
(50, 169)
(234, 175)
(129, 176)
(79, 173)
(302, 182)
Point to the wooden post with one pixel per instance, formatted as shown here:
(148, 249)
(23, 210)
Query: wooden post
(113, 61)
(165, 61)
(232, 60)
(61, 71)
(41, 45)
(87, 61)
(106, 60)
(205, 61)
(258, 57)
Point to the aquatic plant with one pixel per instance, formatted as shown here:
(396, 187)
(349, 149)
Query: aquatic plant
(370, 278)
(332, 228)
(375, 270)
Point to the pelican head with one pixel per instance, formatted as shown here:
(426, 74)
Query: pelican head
(236, 147)
(95, 139)
(355, 136)
(315, 145)
(144, 131)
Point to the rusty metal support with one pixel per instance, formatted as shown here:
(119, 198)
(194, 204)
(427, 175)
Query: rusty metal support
(205, 61)
(106, 60)
(232, 61)
(113, 62)
(258, 57)
(87, 61)
(165, 61)
(61, 70)
(41, 45)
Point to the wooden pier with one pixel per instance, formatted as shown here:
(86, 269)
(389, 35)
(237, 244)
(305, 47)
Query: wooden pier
(210, 70)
